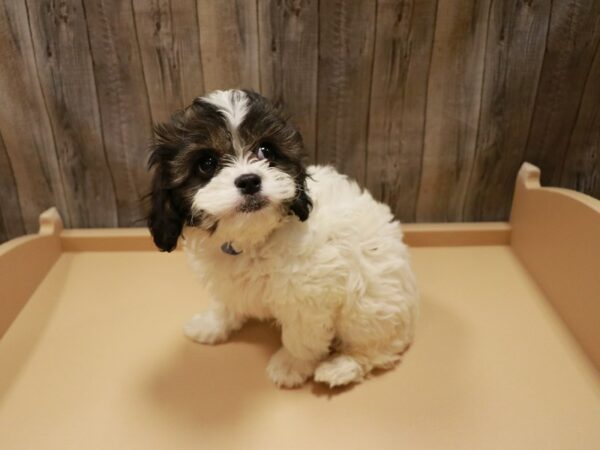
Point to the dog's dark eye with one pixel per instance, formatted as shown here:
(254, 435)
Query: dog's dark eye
(207, 163)
(265, 151)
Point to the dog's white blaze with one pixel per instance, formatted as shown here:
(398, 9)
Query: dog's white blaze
(233, 104)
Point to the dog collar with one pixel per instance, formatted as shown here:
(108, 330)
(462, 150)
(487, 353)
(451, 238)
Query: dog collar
(227, 247)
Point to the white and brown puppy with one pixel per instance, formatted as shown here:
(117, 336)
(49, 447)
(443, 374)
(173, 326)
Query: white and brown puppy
(274, 240)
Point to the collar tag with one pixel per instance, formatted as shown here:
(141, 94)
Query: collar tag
(228, 248)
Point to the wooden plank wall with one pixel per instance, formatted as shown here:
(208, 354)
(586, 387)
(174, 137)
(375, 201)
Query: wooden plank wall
(431, 104)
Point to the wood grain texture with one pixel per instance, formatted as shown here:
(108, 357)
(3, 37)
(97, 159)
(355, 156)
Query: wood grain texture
(403, 48)
(11, 220)
(454, 99)
(66, 74)
(572, 41)
(346, 41)
(229, 43)
(288, 39)
(25, 126)
(513, 61)
(431, 104)
(169, 40)
(123, 100)
(581, 169)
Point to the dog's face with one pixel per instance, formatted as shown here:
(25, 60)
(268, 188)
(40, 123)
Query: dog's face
(229, 161)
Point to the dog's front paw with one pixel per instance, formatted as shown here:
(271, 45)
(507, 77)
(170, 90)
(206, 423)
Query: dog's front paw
(207, 327)
(286, 371)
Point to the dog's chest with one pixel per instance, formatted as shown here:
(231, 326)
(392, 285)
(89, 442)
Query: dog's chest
(288, 274)
(247, 281)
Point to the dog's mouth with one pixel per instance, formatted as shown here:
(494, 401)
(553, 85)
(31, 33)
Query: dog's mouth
(252, 204)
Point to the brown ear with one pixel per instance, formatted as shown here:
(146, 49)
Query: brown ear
(166, 217)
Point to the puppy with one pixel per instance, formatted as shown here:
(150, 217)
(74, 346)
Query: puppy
(271, 239)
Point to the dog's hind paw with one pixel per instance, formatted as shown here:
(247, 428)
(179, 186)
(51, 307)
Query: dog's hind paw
(286, 371)
(339, 371)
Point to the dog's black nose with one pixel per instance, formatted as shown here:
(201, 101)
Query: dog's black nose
(248, 184)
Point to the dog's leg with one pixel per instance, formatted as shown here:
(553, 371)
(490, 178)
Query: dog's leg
(288, 371)
(213, 325)
(303, 347)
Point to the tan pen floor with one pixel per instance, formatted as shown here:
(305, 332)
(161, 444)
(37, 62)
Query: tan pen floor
(97, 360)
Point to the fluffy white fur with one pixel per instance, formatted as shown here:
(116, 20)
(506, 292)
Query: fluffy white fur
(341, 279)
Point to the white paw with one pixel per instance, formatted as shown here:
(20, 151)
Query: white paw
(286, 371)
(207, 327)
(338, 371)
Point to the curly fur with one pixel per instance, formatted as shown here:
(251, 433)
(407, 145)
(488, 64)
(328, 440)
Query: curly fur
(338, 281)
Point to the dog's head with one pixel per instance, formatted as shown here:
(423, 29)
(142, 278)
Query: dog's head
(230, 162)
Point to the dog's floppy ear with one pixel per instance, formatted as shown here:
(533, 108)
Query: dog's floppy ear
(166, 218)
(302, 204)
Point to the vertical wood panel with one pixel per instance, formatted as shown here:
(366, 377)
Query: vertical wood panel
(433, 104)
(170, 48)
(229, 44)
(453, 102)
(582, 165)
(123, 99)
(24, 123)
(288, 40)
(11, 221)
(65, 68)
(346, 38)
(398, 98)
(572, 40)
(513, 59)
